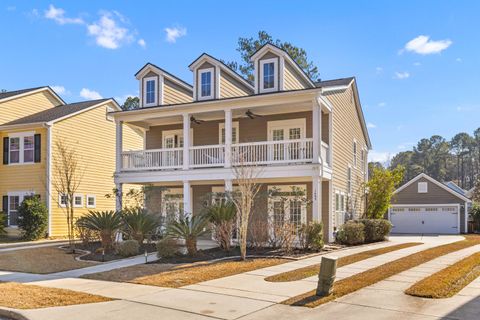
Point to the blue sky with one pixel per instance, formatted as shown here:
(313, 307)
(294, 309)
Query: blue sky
(416, 62)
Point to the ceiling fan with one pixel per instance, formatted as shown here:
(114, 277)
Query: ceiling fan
(196, 121)
(252, 115)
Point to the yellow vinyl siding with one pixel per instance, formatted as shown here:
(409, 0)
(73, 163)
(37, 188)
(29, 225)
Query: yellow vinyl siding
(346, 128)
(230, 87)
(93, 137)
(291, 80)
(25, 177)
(173, 94)
(23, 106)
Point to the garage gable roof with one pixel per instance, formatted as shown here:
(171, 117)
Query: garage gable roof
(441, 185)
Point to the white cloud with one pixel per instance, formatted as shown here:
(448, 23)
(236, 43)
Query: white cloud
(60, 90)
(121, 99)
(11, 8)
(459, 60)
(108, 33)
(174, 33)
(405, 145)
(382, 104)
(371, 125)
(378, 70)
(142, 43)
(377, 156)
(401, 75)
(90, 94)
(424, 45)
(417, 64)
(58, 15)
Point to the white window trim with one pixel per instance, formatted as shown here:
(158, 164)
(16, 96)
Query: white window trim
(21, 196)
(286, 188)
(60, 204)
(155, 100)
(94, 201)
(275, 75)
(235, 124)
(286, 124)
(21, 149)
(81, 197)
(199, 82)
(422, 187)
(178, 132)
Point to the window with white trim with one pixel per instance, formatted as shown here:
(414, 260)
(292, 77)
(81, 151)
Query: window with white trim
(62, 200)
(235, 132)
(91, 201)
(21, 148)
(150, 91)
(340, 208)
(205, 85)
(78, 200)
(422, 187)
(269, 75)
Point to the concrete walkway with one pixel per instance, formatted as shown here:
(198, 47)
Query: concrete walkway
(6, 247)
(248, 296)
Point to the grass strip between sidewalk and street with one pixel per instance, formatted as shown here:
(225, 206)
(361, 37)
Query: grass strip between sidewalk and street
(26, 296)
(374, 275)
(310, 271)
(449, 281)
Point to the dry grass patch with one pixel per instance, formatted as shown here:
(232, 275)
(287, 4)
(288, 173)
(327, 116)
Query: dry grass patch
(372, 276)
(25, 296)
(449, 281)
(310, 271)
(40, 260)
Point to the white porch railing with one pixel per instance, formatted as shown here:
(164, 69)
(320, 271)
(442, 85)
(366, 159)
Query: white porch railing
(207, 156)
(267, 152)
(152, 159)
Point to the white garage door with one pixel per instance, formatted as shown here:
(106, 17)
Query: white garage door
(425, 219)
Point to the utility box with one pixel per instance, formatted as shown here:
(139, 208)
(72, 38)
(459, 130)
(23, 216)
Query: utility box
(326, 276)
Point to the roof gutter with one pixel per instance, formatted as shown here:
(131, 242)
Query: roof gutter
(23, 126)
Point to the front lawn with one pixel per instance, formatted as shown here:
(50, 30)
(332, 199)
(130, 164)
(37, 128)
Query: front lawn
(372, 276)
(40, 260)
(449, 281)
(25, 296)
(168, 276)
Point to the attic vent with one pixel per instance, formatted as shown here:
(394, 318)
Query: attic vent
(422, 187)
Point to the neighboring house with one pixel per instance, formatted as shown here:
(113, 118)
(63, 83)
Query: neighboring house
(424, 205)
(300, 133)
(32, 123)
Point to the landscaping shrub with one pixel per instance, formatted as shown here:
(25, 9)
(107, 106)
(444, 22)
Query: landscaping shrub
(222, 216)
(189, 229)
(104, 223)
(351, 233)
(128, 248)
(376, 229)
(86, 235)
(33, 218)
(475, 213)
(3, 223)
(311, 236)
(167, 248)
(139, 224)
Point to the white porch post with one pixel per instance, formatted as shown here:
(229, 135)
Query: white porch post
(330, 211)
(466, 217)
(186, 141)
(316, 197)
(118, 196)
(330, 138)
(119, 145)
(317, 131)
(228, 187)
(228, 138)
(187, 202)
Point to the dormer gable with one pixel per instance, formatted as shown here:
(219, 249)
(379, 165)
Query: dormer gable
(275, 70)
(212, 79)
(159, 87)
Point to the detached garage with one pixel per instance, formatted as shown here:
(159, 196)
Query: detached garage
(424, 205)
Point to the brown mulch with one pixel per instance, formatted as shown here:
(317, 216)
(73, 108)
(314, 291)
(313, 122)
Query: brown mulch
(449, 281)
(310, 271)
(96, 254)
(372, 276)
(25, 296)
(40, 260)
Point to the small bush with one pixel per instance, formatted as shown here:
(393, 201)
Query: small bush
(222, 217)
(86, 235)
(311, 236)
(351, 233)
(3, 223)
(376, 229)
(33, 218)
(167, 248)
(128, 248)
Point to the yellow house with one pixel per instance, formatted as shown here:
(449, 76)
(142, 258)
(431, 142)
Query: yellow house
(33, 122)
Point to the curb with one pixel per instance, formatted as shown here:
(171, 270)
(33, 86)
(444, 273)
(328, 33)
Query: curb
(11, 314)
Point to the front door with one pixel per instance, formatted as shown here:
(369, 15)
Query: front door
(172, 140)
(284, 132)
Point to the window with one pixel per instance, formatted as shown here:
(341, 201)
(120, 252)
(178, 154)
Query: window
(205, 89)
(13, 204)
(349, 180)
(62, 200)
(14, 150)
(91, 201)
(28, 149)
(78, 200)
(235, 132)
(150, 91)
(340, 208)
(21, 148)
(354, 154)
(422, 187)
(268, 75)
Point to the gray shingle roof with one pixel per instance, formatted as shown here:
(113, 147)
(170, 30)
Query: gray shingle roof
(55, 112)
(334, 82)
(9, 94)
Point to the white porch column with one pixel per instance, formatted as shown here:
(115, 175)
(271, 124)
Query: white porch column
(119, 145)
(330, 211)
(330, 138)
(228, 187)
(187, 197)
(228, 138)
(316, 197)
(118, 196)
(466, 217)
(317, 131)
(186, 141)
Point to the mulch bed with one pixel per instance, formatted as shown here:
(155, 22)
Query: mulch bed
(96, 254)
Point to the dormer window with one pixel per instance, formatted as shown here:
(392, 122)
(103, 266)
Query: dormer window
(268, 75)
(150, 91)
(205, 87)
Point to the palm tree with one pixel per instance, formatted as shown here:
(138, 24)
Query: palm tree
(105, 223)
(188, 229)
(139, 223)
(223, 216)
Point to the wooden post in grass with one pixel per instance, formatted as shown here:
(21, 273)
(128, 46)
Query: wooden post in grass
(326, 276)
